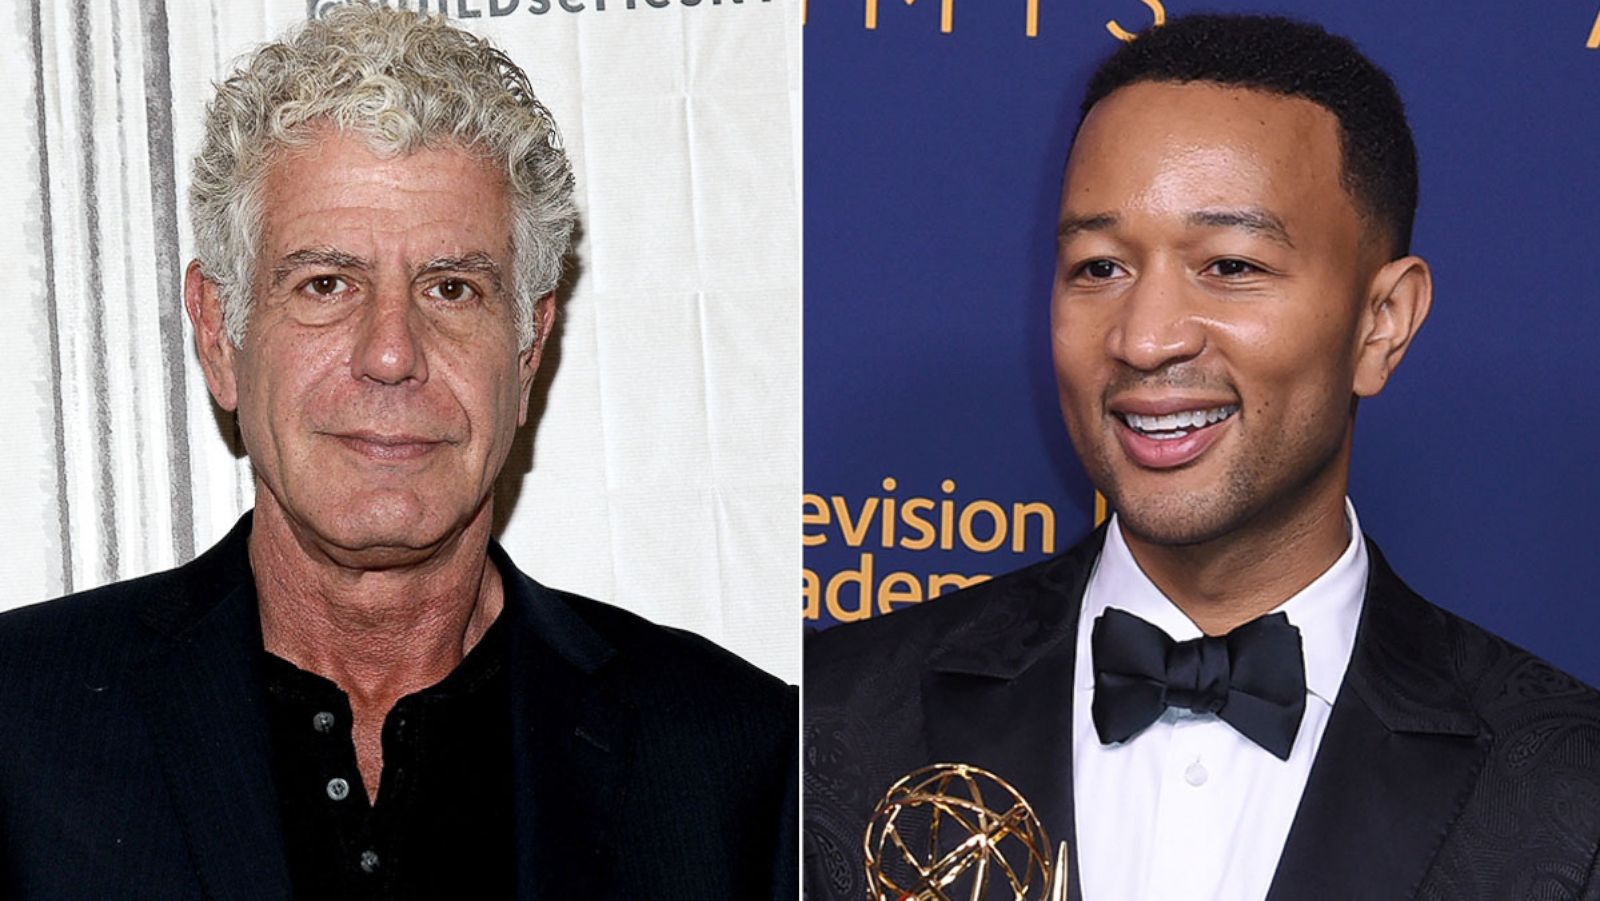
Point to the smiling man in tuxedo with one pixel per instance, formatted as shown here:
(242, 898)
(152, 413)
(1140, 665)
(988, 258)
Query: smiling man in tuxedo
(1225, 693)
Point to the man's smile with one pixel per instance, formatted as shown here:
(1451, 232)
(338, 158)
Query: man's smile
(1166, 440)
(1177, 425)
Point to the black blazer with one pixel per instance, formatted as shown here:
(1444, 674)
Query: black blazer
(1455, 766)
(134, 760)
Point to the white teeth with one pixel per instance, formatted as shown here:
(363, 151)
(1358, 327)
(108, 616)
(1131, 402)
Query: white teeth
(1176, 425)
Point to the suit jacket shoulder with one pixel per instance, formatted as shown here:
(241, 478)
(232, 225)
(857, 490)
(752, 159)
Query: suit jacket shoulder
(1407, 646)
(671, 661)
(843, 662)
(91, 635)
(85, 769)
(1489, 748)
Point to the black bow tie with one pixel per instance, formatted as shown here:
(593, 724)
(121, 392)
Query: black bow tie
(1253, 678)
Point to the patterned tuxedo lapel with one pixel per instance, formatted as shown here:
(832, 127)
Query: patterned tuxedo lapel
(998, 694)
(1398, 762)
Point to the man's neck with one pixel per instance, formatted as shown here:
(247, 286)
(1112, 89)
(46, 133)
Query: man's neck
(1226, 582)
(378, 634)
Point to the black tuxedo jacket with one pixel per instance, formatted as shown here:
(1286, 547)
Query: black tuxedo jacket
(1454, 767)
(134, 759)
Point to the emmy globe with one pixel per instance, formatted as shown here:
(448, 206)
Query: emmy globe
(951, 831)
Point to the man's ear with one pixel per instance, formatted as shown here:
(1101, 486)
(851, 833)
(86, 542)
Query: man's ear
(211, 342)
(1397, 303)
(544, 316)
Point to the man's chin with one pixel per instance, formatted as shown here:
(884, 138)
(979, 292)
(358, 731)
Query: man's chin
(383, 538)
(380, 556)
(1172, 520)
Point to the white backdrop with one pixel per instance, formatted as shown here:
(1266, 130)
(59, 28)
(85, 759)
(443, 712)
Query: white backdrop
(663, 471)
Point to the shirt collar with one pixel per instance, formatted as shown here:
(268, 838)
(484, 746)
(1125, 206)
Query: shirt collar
(1326, 611)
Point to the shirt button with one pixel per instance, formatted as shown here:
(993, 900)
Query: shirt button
(338, 789)
(369, 861)
(1196, 774)
(322, 722)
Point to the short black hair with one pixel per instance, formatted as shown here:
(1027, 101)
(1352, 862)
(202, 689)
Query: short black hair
(1295, 59)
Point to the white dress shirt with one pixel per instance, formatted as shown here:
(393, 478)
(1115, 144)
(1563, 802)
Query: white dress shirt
(1189, 809)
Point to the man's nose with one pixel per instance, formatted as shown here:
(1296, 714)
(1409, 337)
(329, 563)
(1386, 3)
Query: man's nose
(1157, 323)
(389, 347)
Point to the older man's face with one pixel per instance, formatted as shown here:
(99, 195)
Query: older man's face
(380, 382)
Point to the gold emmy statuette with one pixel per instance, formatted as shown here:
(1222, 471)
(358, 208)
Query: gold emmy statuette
(948, 831)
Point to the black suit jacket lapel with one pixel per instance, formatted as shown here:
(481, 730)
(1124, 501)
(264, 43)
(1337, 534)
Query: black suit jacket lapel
(999, 693)
(572, 744)
(201, 693)
(1399, 758)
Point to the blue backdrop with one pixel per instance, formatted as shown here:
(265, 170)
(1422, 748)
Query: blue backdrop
(934, 143)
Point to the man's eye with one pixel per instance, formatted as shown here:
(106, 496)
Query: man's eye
(1099, 269)
(1231, 267)
(326, 286)
(454, 290)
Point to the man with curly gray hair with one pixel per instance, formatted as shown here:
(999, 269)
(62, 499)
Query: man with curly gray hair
(356, 694)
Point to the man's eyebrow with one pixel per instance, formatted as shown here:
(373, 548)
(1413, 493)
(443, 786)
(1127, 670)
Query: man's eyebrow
(314, 256)
(476, 261)
(1072, 225)
(1253, 219)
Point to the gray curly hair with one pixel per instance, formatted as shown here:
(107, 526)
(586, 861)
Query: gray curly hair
(403, 82)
